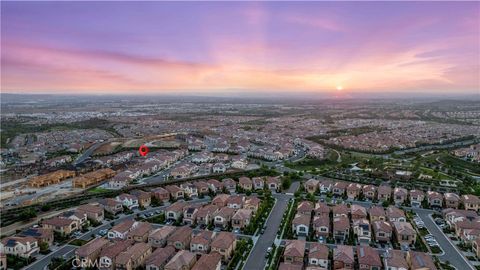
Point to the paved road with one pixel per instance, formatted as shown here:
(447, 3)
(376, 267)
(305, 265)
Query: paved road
(86, 154)
(452, 254)
(257, 260)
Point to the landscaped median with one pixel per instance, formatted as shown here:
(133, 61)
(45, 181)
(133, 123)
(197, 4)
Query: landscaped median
(241, 253)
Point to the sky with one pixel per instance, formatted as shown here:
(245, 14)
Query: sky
(246, 47)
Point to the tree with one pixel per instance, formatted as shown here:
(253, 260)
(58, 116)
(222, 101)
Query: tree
(27, 214)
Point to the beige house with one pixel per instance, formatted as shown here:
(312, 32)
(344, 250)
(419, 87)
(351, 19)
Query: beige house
(224, 243)
(23, 246)
(404, 233)
(294, 252)
(134, 257)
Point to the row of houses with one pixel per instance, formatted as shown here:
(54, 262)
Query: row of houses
(224, 211)
(465, 225)
(167, 247)
(376, 224)
(26, 243)
(299, 255)
(398, 195)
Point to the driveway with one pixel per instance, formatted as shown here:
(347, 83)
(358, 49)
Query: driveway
(257, 260)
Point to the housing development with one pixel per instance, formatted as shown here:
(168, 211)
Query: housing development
(250, 185)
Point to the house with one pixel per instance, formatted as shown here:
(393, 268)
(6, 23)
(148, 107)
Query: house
(318, 256)
(294, 252)
(353, 190)
(241, 218)
(158, 237)
(161, 194)
(111, 205)
(476, 247)
(321, 226)
(211, 261)
(399, 195)
(176, 193)
(220, 200)
(382, 231)
(258, 183)
(395, 214)
(77, 216)
(174, 211)
(368, 258)
(235, 201)
(416, 197)
(311, 185)
(369, 192)
(219, 168)
(22, 246)
(301, 224)
(384, 193)
(289, 266)
(129, 201)
(215, 185)
(343, 257)
(159, 258)
(361, 227)
(190, 214)
(206, 213)
(224, 244)
(395, 260)
(404, 233)
(190, 190)
(223, 217)
(41, 234)
(245, 183)
(305, 208)
(229, 184)
(183, 260)
(180, 238)
(435, 199)
(90, 252)
(121, 230)
(273, 183)
(202, 187)
(93, 212)
(64, 226)
(358, 212)
(339, 188)
(471, 202)
(140, 232)
(109, 254)
(200, 242)
(321, 210)
(252, 203)
(239, 162)
(340, 210)
(144, 198)
(325, 186)
(377, 213)
(451, 200)
(420, 261)
(341, 228)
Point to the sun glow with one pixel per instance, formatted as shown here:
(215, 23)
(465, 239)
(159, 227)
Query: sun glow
(339, 88)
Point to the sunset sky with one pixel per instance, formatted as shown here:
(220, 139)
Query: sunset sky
(254, 47)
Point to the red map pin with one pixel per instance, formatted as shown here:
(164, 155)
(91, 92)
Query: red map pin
(143, 150)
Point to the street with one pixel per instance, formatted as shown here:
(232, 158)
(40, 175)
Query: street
(257, 260)
(451, 254)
